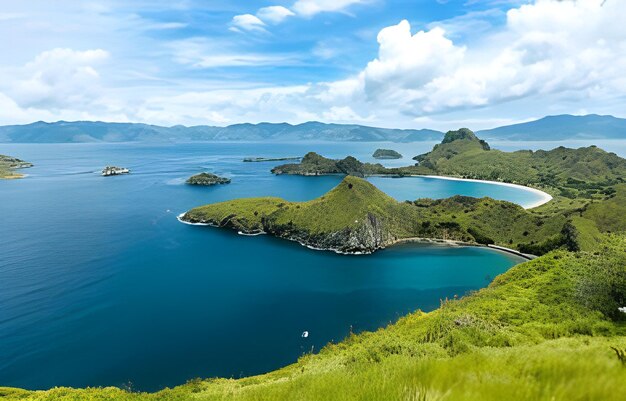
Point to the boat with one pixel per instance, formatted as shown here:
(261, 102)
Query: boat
(113, 170)
(305, 334)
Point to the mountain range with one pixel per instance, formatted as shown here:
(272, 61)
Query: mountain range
(565, 126)
(559, 127)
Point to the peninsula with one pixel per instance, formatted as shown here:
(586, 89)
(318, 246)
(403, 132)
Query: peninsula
(9, 164)
(207, 179)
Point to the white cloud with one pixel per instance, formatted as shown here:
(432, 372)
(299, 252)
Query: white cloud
(274, 14)
(309, 8)
(57, 79)
(555, 48)
(277, 14)
(247, 22)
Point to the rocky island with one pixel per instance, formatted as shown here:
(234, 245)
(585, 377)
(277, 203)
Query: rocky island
(9, 164)
(315, 164)
(386, 154)
(207, 179)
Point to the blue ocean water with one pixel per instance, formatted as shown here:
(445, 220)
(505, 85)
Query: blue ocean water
(101, 285)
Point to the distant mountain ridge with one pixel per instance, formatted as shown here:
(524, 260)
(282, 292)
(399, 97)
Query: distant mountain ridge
(565, 126)
(88, 131)
(550, 128)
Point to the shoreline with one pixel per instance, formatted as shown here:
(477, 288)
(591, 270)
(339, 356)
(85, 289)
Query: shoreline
(420, 240)
(545, 197)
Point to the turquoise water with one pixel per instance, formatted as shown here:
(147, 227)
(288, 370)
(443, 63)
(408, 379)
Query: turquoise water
(101, 285)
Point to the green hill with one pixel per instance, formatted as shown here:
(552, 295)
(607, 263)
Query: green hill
(357, 217)
(462, 154)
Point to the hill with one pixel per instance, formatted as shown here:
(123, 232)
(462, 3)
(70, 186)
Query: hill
(561, 127)
(465, 155)
(88, 131)
(356, 217)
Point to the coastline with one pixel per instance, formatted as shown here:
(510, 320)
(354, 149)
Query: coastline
(421, 240)
(545, 197)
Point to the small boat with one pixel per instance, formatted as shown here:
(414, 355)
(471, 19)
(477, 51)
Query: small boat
(305, 334)
(112, 170)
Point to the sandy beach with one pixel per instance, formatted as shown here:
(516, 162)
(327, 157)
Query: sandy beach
(545, 197)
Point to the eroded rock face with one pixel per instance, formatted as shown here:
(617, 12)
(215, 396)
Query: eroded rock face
(368, 236)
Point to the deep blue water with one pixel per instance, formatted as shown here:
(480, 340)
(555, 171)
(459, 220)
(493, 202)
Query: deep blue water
(101, 285)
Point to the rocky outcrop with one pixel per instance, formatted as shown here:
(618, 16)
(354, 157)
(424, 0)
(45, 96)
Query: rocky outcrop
(207, 179)
(367, 237)
(386, 154)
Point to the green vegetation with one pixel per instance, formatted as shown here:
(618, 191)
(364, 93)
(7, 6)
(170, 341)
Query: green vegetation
(314, 164)
(586, 172)
(207, 179)
(548, 329)
(386, 154)
(357, 217)
(9, 164)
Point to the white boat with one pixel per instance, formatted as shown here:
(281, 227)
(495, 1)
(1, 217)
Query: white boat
(305, 334)
(112, 170)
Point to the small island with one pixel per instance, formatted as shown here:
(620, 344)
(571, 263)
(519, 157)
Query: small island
(386, 154)
(269, 159)
(207, 179)
(109, 171)
(8, 165)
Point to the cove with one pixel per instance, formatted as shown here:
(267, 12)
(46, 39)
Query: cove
(101, 285)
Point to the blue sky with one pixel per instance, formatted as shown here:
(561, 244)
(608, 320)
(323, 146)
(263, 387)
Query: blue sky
(392, 63)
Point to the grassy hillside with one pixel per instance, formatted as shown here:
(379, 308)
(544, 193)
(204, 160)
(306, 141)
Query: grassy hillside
(581, 172)
(9, 164)
(544, 330)
(356, 216)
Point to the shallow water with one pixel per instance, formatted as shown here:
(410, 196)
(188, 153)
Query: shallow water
(101, 285)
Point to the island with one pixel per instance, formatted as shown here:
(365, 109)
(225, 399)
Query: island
(8, 165)
(386, 154)
(268, 159)
(207, 179)
(313, 164)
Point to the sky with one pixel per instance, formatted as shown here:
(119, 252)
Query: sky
(435, 64)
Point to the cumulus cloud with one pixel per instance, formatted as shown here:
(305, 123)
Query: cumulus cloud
(547, 48)
(274, 14)
(247, 22)
(57, 79)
